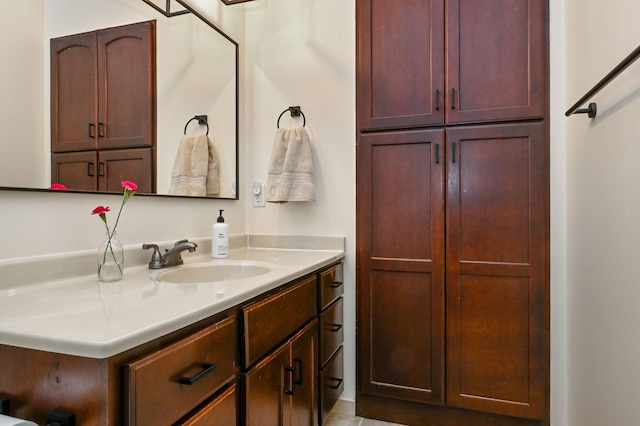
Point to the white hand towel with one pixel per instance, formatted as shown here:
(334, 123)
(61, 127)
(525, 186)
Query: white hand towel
(290, 176)
(196, 168)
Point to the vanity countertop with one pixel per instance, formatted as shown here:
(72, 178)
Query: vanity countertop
(82, 316)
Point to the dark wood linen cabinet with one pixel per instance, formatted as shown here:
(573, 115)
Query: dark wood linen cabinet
(103, 91)
(453, 212)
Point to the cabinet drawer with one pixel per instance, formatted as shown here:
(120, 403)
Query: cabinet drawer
(165, 385)
(221, 411)
(331, 384)
(331, 286)
(331, 330)
(271, 320)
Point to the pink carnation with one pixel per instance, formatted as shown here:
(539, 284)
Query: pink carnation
(101, 210)
(129, 185)
(58, 186)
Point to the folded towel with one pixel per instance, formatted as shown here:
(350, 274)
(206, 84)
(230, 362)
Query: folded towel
(196, 169)
(290, 176)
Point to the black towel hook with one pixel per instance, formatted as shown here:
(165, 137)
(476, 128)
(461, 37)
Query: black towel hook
(295, 112)
(202, 120)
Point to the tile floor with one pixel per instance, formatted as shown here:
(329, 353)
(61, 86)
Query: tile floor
(343, 414)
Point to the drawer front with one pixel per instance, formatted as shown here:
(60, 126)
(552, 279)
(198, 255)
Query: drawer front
(165, 385)
(221, 411)
(331, 330)
(268, 322)
(331, 384)
(331, 286)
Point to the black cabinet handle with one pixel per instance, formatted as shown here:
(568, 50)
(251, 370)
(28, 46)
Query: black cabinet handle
(437, 100)
(101, 169)
(437, 153)
(335, 328)
(101, 130)
(90, 169)
(206, 369)
(338, 383)
(453, 152)
(92, 133)
(336, 284)
(297, 363)
(291, 381)
(453, 98)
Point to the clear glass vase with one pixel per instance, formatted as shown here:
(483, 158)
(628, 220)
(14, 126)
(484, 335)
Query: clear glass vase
(110, 259)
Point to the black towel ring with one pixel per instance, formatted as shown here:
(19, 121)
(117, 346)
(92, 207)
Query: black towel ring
(202, 120)
(295, 112)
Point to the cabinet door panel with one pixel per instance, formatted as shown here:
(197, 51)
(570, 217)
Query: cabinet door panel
(401, 265)
(497, 295)
(135, 165)
(304, 360)
(126, 72)
(75, 170)
(74, 93)
(496, 63)
(400, 63)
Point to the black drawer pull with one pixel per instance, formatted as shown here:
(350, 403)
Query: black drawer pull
(338, 383)
(335, 328)
(336, 284)
(206, 369)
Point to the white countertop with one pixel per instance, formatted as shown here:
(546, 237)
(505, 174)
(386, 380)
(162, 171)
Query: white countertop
(82, 316)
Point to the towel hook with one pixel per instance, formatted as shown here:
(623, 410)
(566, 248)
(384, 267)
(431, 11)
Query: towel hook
(295, 112)
(202, 120)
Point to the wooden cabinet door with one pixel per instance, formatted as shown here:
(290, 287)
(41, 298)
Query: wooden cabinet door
(496, 64)
(74, 93)
(304, 360)
(135, 165)
(497, 296)
(400, 63)
(75, 170)
(281, 389)
(127, 86)
(400, 282)
(264, 387)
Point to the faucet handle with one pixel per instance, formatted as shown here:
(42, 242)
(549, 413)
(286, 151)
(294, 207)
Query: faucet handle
(180, 242)
(156, 258)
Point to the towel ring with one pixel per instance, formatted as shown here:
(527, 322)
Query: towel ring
(295, 112)
(202, 120)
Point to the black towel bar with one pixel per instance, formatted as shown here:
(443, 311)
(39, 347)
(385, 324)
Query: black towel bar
(592, 109)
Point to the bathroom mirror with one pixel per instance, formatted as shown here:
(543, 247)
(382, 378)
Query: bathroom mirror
(196, 72)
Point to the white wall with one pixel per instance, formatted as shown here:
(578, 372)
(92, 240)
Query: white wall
(22, 125)
(603, 207)
(303, 53)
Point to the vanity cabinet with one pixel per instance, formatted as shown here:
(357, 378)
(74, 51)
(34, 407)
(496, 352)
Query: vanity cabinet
(452, 284)
(430, 62)
(103, 98)
(257, 363)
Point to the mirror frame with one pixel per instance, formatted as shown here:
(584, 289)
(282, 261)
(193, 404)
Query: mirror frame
(167, 13)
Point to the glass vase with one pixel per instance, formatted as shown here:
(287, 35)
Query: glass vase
(110, 259)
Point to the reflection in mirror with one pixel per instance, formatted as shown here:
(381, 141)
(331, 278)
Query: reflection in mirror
(196, 75)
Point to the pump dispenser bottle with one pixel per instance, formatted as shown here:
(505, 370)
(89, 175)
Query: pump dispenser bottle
(220, 238)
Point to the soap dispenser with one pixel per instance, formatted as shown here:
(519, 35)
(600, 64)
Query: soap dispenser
(220, 238)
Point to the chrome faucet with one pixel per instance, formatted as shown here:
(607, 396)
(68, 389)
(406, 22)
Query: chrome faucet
(172, 257)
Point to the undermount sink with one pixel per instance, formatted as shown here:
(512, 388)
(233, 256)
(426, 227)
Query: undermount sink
(209, 272)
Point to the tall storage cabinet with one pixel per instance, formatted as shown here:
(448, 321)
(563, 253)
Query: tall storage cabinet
(103, 91)
(453, 212)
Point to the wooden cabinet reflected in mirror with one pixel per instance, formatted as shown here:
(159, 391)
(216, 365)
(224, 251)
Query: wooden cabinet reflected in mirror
(103, 95)
(195, 74)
